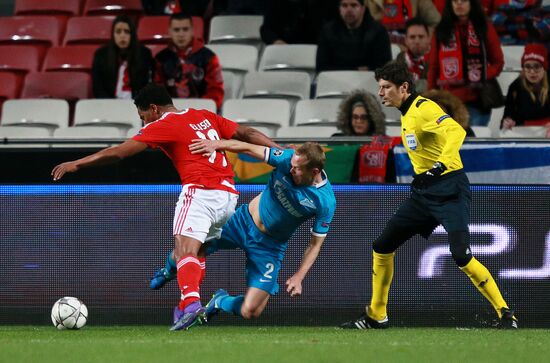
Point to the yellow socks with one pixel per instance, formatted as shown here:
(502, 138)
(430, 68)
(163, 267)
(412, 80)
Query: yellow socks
(382, 275)
(482, 279)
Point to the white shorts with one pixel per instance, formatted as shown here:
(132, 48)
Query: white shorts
(201, 213)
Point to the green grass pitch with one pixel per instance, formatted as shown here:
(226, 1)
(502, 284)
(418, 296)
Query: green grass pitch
(271, 344)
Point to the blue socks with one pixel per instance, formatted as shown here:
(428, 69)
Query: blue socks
(171, 265)
(231, 304)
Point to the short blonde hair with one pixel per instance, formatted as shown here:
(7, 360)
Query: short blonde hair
(314, 154)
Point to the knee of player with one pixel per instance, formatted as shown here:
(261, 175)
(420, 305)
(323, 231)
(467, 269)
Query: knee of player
(250, 312)
(459, 245)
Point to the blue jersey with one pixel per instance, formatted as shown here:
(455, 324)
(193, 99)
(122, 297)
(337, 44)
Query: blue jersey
(284, 206)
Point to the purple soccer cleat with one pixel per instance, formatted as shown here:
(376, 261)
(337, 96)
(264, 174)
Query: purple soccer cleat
(193, 314)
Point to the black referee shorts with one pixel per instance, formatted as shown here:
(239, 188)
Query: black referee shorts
(446, 202)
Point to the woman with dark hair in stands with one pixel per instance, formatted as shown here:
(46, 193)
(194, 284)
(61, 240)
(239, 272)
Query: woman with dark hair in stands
(360, 114)
(465, 53)
(123, 66)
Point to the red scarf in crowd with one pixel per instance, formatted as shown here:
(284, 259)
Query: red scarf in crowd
(417, 66)
(461, 63)
(396, 14)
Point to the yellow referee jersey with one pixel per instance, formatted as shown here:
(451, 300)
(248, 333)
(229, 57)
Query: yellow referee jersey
(430, 135)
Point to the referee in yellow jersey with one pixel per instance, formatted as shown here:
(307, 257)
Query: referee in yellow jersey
(440, 194)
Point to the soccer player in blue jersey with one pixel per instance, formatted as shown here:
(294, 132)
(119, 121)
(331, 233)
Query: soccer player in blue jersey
(298, 189)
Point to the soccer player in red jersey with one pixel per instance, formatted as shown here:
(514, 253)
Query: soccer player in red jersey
(208, 197)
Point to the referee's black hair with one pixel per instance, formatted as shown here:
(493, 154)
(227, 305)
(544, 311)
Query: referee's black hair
(397, 73)
(152, 94)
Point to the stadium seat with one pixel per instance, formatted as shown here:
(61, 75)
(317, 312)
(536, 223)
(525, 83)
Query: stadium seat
(113, 7)
(196, 103)
(340, 83)
(229, 85)
(154, 29)
(512, 57)
(393, 131)
(321, 112)
(19, 58)
(11, 87)
(30, 132)
(395, 50)
(525, 132)
(39, 31)
(482, 131)
(65, 85)
(88, 30)
(289, 57)
(505, 79)
(270, 114)
(133, 132)
(241, 29)
(71, 58)
(392, 114)
(60, 9)
(47, 114)
(495, 119)
(87, 133)
(299, 132)
(237, 59)
(121, 114)
(292, 86)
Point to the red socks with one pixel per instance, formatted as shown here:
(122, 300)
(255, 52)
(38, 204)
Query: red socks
(190, 275)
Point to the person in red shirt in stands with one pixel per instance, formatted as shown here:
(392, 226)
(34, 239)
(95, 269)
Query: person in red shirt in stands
(186, 67)
(208, 197)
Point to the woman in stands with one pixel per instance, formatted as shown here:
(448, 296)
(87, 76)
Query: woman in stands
(527, 102)
(465, 52)
(360, 114)
(123, 66)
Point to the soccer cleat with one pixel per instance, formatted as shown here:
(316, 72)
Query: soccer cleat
(508, 320)
(212, 308)
(160, 278)
(366, 322)
(192, 315)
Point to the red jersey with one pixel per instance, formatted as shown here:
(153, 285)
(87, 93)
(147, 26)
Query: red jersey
(173, 133)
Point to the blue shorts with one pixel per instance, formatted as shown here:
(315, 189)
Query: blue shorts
(264, 254)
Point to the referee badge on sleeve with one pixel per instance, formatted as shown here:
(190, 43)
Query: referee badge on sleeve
(412, 142)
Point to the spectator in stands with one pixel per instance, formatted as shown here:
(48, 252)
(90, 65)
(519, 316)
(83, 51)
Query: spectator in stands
(360, 114)
(465, 52)
(453, 106)
(296, 21)
(169, 7)
(355, 41)
(417, 43)
(527, 102)
(186, 67)
(123, 66)
(394, 15)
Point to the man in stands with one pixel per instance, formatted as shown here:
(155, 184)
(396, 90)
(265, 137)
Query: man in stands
(417, 42)
(186, 67)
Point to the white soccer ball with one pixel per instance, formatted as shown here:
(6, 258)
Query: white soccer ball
(69, 313)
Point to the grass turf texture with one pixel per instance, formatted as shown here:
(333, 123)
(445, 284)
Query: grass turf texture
(270, 344)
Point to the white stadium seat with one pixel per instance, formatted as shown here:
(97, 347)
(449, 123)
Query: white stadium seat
(512, 57)
(46, 113)
(196, 103)
(292, 86)
(340, 83)
(241, 29)
(269, 114)
(316, 112)
(298, 132)
(289, 57)
(121, 114)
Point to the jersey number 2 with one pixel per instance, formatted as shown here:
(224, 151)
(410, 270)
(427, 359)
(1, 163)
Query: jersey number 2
(213, 135)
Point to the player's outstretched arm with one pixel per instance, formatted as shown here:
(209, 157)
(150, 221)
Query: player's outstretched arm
(294, 283)
(207, 147)
(253, 136)
(106, 156)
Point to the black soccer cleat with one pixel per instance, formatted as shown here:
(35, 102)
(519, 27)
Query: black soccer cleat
(366, 322)
(507, 320)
